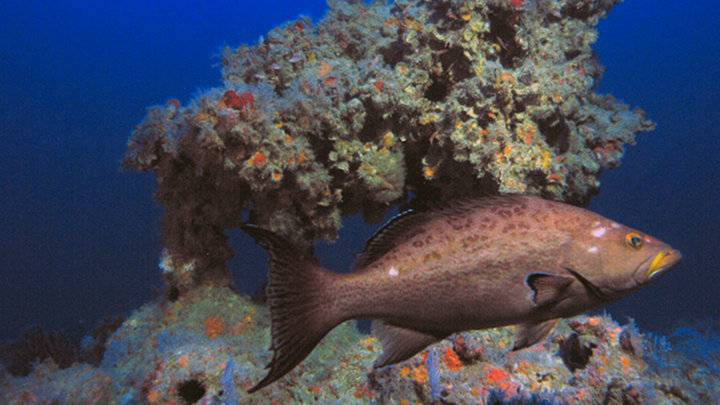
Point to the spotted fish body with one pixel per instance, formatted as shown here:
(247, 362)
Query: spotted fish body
(474, 264)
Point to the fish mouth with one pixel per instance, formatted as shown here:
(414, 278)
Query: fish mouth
(662, 261)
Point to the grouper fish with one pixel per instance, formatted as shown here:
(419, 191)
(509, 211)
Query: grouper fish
(470, 264)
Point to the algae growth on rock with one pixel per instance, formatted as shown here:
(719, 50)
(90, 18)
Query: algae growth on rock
(373, 104)
(214, 341)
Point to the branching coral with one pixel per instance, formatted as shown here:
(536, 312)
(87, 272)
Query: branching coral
(439, 98)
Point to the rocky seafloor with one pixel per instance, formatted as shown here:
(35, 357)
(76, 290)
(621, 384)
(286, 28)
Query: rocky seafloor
(209, 346)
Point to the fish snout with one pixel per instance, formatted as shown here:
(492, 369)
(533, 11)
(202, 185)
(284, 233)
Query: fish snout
(662, 262)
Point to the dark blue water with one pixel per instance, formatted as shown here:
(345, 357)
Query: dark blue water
(79, 239)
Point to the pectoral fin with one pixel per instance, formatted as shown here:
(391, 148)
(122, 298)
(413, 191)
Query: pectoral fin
(530, 333)
(548, 288)
(400, 343)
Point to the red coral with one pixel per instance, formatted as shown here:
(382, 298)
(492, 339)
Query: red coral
(174, 102)
(243, 103)
(258, 160)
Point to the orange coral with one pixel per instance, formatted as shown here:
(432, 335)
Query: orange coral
(202, 117)
(451, 360)
(153, 397)
(496, 375)
(529, 135)
(258, 160)
(507, 77)
(420, 374)
(302, 157)
(214, 327)
(324, 69)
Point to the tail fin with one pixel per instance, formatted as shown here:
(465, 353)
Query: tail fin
(297, 296)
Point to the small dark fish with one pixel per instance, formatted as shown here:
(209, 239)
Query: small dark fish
(474, 264)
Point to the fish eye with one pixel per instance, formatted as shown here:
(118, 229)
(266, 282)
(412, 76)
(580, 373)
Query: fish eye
(633, 240)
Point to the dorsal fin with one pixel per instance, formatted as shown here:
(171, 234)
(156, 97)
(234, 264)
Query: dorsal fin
(407, 224)
(397, 230)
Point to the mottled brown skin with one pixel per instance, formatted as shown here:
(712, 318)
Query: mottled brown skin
(468, 271)
(473, 265)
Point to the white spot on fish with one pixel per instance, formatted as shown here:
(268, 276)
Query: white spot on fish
(393, 272)
(615, 225)
(599, 232)
(593, 249)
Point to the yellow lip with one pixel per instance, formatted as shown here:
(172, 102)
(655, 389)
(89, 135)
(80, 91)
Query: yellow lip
(663, 261)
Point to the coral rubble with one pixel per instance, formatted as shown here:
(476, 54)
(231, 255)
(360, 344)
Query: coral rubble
(438, 98)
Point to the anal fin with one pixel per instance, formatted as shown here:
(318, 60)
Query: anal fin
(530, 333)
(400, 343)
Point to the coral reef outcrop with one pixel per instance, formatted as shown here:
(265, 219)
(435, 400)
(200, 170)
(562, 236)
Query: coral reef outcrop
(374, 104)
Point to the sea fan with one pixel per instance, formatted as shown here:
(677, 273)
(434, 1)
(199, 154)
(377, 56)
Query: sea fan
(37, 345)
